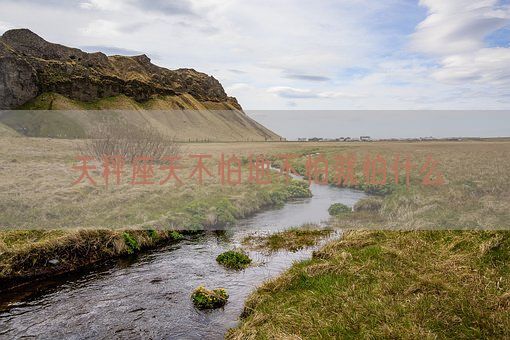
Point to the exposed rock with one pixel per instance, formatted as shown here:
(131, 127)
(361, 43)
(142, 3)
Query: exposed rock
(30, 66)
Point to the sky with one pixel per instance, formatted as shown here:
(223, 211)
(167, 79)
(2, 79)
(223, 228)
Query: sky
(301, 54)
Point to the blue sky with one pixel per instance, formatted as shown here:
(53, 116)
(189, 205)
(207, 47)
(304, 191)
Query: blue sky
(296, 54)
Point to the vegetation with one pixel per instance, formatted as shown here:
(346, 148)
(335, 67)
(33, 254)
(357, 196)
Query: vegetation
(25, 254)
(234, 259)
(204, 298)
(404, 284)
(338, 208)
(117, 138)
(84, 212)
(368, 204)
(375, 284)
(180, 116)
(291, 239)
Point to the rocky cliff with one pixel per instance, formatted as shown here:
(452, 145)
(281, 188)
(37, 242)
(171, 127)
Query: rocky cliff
(30, 66)
(38, 75)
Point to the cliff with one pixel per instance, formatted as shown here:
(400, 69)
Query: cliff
(37, 74)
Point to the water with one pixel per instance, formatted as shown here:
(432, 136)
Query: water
(149, 297)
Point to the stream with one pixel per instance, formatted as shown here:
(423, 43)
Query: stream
(149, 296)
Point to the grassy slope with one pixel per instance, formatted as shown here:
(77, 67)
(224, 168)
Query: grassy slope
(433, 284)
(182, 117)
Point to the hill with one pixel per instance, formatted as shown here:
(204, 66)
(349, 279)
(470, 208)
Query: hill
(187, 104)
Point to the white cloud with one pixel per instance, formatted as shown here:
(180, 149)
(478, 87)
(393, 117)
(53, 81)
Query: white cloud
(455, 31)
(237, 87)
(316, 55)
(458, 26)
(103, 5)
(290, 92)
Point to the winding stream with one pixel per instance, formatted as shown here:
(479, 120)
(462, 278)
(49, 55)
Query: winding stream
(148, 297)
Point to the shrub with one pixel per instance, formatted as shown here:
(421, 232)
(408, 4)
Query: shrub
(298, 189)
(278, 198)
(204, 298)
(234, 259)
(121, 139)
(368, 204)
(338, 208)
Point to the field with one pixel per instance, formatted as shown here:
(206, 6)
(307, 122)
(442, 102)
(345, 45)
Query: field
(405, 284)
(371, 283)
(37, 193)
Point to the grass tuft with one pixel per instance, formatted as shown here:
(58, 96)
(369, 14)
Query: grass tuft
(338, 208)
(234, 259)
(204, 298)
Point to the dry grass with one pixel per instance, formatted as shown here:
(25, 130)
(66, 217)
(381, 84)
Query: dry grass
(405, 284)
(440, 284)
(291, 239)
(37, 196)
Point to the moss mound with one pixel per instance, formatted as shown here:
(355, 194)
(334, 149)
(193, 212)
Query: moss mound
(338, 208)
(234, 259)
(204, 298)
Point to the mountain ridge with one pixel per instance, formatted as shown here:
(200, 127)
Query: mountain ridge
(41, 66)
(39, 75)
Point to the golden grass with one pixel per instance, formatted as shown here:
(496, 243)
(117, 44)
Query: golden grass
(291, 239)
(405, 284)
(375, 284)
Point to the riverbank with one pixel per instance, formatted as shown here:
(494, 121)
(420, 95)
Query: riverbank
(385, 279)
(97, 223)
(374, 284)
(33, 254)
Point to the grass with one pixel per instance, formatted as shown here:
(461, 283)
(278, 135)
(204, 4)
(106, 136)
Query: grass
(36, 194)
(387, 284)
(204, 298)
(385, 279)
(26, 254)
(234, 259)
(338, 208)
(181, 116)
(291, 239)
(432, 284)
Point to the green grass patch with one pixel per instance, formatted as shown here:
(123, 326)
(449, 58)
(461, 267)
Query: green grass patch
(204, 298)
(381, 284)
(338, 208)
(234, 259)
(131, 242)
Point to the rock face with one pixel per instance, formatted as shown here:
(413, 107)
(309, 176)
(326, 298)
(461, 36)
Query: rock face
(30, 66)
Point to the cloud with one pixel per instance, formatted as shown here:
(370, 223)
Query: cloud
(458, 26)
(455, 31)
(103, 5)
(290, 92)
(237, 87)
(168, 7)
(236, 71)
(111, 50)
(307, 77)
